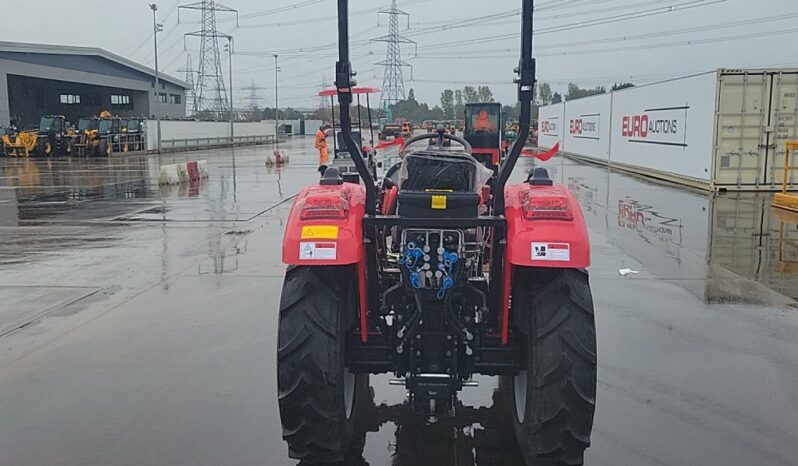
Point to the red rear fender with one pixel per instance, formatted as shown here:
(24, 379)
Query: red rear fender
(325, 226)
(545, 227)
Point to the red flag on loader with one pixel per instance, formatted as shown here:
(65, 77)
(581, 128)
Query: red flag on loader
(543, 156)
(395, 142)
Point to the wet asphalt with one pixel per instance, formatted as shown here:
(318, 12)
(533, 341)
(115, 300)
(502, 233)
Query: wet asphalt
(138, 323)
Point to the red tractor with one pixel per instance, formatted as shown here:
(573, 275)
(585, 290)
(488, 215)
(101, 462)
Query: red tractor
(435, 273)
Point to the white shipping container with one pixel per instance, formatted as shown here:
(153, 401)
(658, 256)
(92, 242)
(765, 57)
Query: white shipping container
(550, 125)
(720, 130)
(587, 126)
(650, 126)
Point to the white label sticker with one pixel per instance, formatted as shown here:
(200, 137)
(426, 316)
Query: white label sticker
(551, 252)
(320, 251)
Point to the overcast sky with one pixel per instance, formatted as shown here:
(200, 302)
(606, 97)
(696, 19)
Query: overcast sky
(459, 41)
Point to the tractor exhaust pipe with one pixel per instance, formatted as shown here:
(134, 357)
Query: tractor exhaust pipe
(526, 84)
(344, 84)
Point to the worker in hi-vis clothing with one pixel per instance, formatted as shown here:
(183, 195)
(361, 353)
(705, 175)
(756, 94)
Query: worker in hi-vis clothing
(321, 146)
(483, 123)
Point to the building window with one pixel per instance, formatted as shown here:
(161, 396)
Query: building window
(175, 99)
(162, 97)
(70, 99)
(120, 99)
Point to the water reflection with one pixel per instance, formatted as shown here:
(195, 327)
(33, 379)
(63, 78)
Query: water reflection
(711, 244)
(475, 436)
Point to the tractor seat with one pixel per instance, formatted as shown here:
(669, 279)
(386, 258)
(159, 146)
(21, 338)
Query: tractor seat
(435, 185)
(438, 204)
(430, 170)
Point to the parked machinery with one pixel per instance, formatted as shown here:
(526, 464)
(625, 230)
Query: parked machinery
(135, 134)
(85, 140)
(390, 131)
(110, 137)
(482, 130)
(103, 135)
(51, 138)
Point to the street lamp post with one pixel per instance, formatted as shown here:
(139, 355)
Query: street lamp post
(276, 101)
(230, 60)
(156, 28)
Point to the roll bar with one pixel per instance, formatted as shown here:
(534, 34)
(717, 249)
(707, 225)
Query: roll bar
(526, 85)
(344, 83)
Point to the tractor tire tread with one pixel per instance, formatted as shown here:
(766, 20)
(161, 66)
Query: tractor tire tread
(308, 354)
(564, 345)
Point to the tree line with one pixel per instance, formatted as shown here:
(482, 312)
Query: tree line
(452, 104)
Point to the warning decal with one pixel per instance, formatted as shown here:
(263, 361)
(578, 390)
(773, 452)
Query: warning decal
(320, 232)
(439, 202)
(318, 251)
(551, 252)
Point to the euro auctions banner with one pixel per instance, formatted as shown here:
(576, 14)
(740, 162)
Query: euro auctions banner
(665, 126)
(585, 126)
(550, 126)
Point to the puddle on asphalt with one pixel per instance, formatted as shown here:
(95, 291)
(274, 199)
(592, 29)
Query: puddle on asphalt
(724, 248)
(476, 435)
(711, 244)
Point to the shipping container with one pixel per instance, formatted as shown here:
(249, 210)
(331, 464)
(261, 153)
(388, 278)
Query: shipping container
(587, 126)
(550, 125)
(722, 130)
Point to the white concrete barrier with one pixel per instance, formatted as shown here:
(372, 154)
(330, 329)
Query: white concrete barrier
(203, 168)
(169, 175)
(182, 172)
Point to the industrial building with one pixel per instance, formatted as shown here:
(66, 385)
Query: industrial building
(39, 79)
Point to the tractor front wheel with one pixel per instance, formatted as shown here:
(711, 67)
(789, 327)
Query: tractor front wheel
(104, 148)
(317, 393)
(554, 397)
(45, 148)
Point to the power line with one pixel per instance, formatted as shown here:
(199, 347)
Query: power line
(210, 88)
(636, 47)
(191, 94)
(593, 22)
(627, 38)
(253, 98)
(278, 10)
(393, 83)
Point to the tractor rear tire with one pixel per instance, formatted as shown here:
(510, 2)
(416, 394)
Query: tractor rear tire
(554, 398)
(318, 396)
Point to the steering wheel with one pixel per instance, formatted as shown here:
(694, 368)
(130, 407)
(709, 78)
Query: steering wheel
(437, 135)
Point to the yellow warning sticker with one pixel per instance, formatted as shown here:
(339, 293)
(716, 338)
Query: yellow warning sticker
(439, 202)
(320, 232)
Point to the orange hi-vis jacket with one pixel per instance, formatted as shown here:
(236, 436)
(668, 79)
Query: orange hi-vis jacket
(321, 140)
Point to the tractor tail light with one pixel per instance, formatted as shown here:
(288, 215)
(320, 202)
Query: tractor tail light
(547, 205)
(331, 205)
